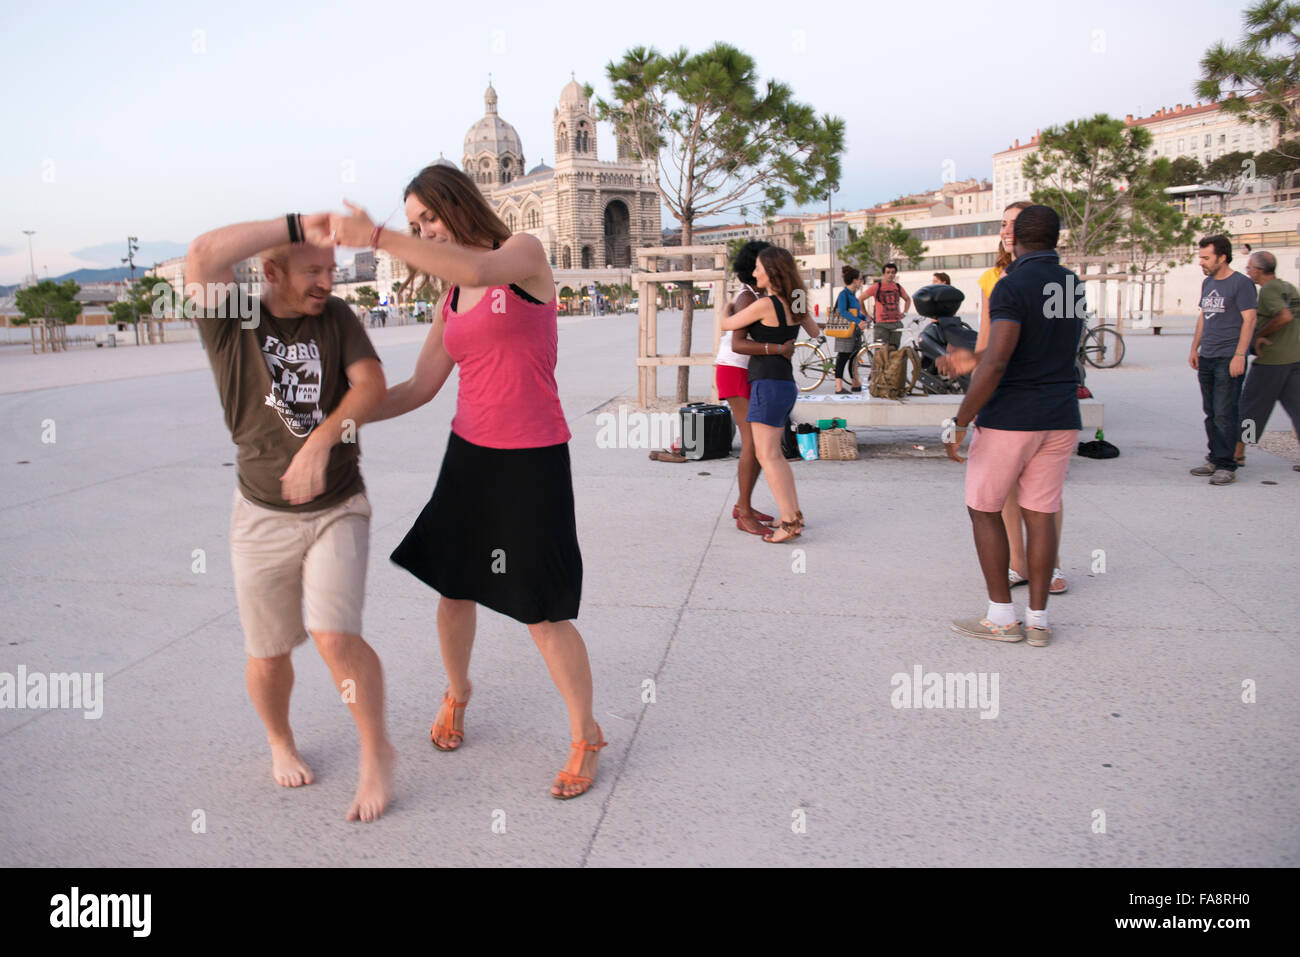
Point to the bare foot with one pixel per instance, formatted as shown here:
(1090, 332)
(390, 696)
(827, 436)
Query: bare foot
(374, 785)
(582, 763)
(287, 766)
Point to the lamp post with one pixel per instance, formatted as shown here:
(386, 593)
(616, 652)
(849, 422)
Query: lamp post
(830, 240)
(830, 247)
(132, 246)
(31, 258)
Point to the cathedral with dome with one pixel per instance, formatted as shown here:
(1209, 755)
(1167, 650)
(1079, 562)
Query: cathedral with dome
(589, 213)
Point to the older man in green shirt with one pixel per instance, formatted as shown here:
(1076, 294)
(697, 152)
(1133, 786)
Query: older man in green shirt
(1275, 374)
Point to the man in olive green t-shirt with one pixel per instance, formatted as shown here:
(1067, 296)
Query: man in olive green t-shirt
(1275, 374)
(295, 384)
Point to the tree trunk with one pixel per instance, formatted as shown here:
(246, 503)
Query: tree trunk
(688, 317)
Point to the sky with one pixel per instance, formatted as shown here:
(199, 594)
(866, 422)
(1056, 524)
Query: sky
(164, 120)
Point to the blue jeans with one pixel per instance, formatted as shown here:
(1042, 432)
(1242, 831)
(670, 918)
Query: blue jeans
(1220, 394)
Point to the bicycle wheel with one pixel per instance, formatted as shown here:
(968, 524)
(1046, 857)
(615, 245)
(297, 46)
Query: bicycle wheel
(809, 366)
(1103, 347)
(861, 366)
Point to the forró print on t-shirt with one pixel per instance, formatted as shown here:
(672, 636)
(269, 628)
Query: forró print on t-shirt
(295, 371)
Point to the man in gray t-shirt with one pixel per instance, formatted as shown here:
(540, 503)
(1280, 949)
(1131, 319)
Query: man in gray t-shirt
(1224, 329)
(1223, 304)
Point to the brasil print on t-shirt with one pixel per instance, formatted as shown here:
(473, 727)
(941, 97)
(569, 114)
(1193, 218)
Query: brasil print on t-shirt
(1222, 304)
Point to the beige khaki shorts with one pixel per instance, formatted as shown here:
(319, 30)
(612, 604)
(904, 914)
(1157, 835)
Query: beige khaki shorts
(286, 563)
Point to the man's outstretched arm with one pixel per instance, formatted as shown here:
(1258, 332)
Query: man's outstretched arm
(211, 257)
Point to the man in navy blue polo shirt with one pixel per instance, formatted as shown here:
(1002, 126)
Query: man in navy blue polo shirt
(1024, 401)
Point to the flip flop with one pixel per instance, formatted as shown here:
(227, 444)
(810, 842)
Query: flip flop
(1058, 575)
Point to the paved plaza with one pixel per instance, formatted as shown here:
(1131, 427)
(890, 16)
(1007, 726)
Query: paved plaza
(1159, 728)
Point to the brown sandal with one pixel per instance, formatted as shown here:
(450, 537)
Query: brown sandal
(792, 529)
(440, 730)
(568, 777)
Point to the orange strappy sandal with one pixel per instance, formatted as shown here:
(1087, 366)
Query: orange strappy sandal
(566, 777)
(440, 730)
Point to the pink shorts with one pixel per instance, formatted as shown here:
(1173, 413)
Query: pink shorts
(733, 382)
(1032, 463)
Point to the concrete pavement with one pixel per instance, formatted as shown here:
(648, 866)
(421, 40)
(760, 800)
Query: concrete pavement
(1126, 742)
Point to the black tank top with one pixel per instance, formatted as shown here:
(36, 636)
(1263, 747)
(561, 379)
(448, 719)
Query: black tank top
(772, 367)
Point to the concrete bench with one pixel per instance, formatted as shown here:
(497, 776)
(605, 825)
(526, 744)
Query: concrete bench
(860, 410)
(1176, 322)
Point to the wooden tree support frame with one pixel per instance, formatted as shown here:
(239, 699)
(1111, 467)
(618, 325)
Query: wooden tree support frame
(1115, 269)
(51, 335)
(646, 281)
(151, 331)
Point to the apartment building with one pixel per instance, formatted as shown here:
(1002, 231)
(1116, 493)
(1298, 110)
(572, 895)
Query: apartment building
(1201, 131)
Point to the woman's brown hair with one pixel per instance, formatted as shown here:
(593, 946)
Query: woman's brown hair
(1004, 254)
(452, 197)
(849, 273)
(784, 280)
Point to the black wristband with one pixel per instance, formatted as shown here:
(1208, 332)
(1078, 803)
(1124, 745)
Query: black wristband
(295, 227)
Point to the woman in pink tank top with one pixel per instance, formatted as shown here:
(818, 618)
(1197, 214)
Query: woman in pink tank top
(499, 529)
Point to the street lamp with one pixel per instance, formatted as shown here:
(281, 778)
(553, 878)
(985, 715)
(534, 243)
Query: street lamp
(132, 247)
(31, 259)
(830, 240)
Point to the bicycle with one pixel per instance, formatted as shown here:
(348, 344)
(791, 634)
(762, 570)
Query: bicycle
(812, 366)
(1102, 347)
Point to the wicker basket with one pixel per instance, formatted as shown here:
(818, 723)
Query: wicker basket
(838, 445)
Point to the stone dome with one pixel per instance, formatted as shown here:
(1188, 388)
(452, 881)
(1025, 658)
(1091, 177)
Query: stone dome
(572, 94)
(492, 133)
(540, 168)
(443, 161)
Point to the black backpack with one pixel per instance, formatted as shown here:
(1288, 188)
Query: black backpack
(789, 444)
(1098, 449)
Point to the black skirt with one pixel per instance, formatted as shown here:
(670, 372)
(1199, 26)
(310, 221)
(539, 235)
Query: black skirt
(499, 530)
